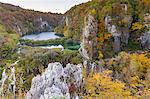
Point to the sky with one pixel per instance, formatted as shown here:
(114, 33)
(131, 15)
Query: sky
(55, 6)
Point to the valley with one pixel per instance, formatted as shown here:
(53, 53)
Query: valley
(96, 50)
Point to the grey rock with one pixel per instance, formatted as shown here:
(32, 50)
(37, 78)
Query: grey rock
(120, 34)
(53, 82)
(111, 28)
(89, 37)
(145, 40)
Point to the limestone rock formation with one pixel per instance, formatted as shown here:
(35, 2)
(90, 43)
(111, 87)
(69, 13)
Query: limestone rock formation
(55, 82)
(145, 38)
(89, 36)
(89, 42)
(42, 25)
(120, 34)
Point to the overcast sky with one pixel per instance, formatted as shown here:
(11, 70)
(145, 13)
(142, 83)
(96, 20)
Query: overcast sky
(55, 6)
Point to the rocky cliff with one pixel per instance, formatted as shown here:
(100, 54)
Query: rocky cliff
(127, 23)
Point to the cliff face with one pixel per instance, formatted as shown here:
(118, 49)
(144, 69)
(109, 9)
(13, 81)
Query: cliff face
(89, 35)
(127, 23)
(120, 34)
(27, 21)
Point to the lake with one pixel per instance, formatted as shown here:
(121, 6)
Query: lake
(40, 36)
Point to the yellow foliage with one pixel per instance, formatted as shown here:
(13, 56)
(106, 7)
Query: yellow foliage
(133, 69)
(66, 32)
(137, 26)
(146, 2)
(93, 12)
(135, 83)
(102, 34)
(140, 60)
(106, 36)
(110, 62)
(137, 64)
(140, 64)
(145, 94)
(101, 86)
(100, 56)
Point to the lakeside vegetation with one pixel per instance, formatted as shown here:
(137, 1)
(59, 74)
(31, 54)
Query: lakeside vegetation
(65, 42)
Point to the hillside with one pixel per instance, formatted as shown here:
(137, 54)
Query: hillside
(127, 21)
(8, 43)
(16, 21)
(25, 21)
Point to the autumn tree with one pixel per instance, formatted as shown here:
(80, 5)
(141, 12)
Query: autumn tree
(102, 86)
(132, 69)
(102, 38)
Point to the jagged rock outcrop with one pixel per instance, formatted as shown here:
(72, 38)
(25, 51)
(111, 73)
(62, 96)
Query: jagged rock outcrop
(89, 42)
(120, 34)
(55, 82)
(145, 38)
(89, 36)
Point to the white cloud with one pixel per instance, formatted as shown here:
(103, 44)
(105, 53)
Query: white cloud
(59, 6)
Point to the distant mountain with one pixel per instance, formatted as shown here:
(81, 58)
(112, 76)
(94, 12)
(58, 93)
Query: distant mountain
(27, 21)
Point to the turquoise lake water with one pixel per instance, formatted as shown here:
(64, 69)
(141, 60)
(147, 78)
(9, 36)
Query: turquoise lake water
(41, 36)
